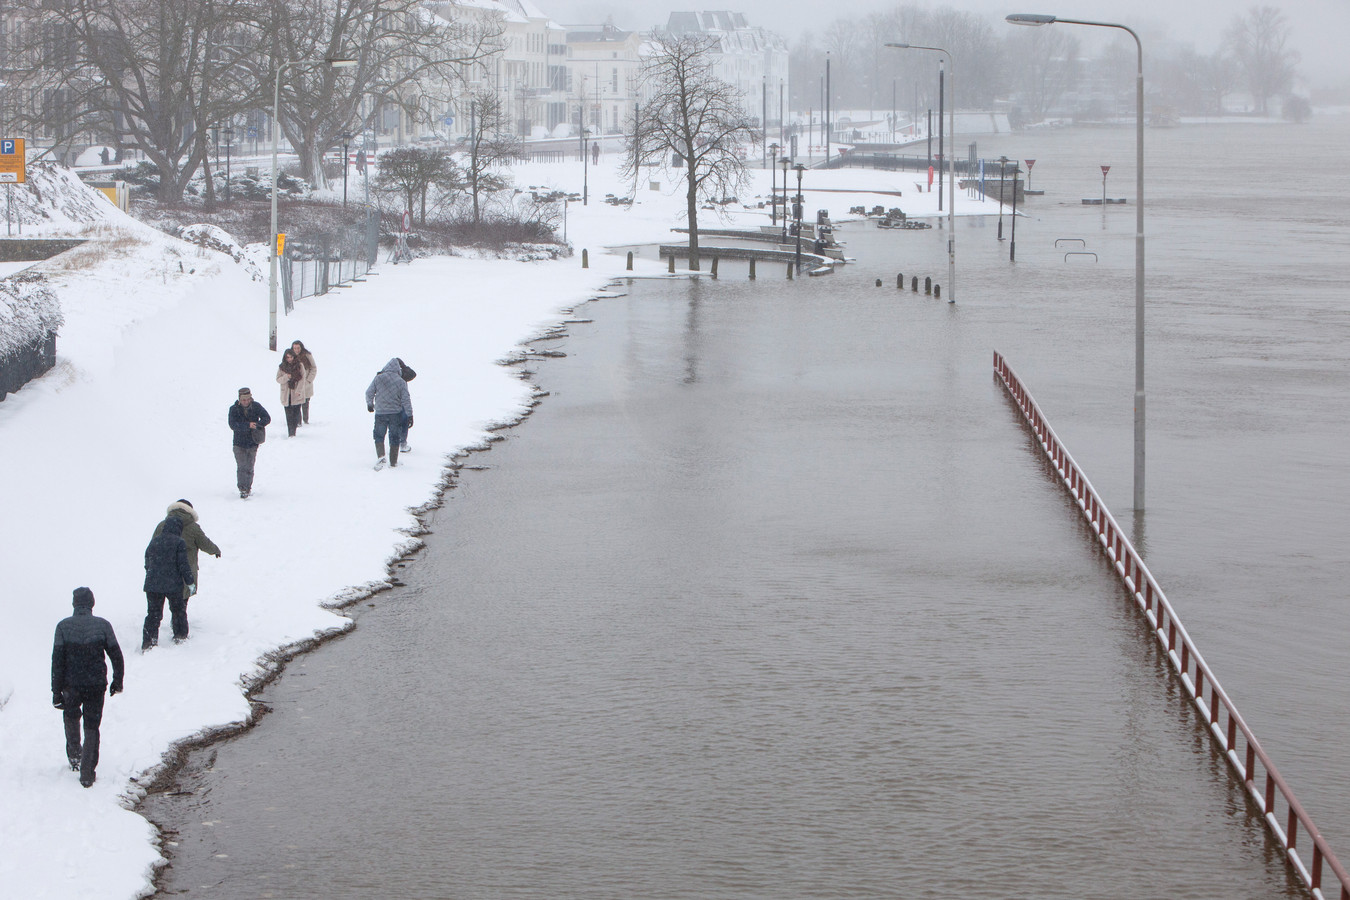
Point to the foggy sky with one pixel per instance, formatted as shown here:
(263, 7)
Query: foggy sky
(1316, 26)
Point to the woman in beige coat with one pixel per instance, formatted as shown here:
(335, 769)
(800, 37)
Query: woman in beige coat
(291, 377)
(307, 360)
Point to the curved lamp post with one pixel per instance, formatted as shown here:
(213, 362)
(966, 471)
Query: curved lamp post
(276, 138)
(951, 168)
(1032, 19)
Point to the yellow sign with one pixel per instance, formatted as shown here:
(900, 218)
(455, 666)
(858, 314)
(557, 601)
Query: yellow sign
(281, 244)
(12, 170)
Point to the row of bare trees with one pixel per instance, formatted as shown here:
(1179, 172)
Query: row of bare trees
(159, 75)
(1037, 66)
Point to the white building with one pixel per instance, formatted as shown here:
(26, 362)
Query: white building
(753, 59)
(603, 69)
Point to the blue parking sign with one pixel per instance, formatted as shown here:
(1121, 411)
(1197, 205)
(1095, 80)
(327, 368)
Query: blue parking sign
(7, 147)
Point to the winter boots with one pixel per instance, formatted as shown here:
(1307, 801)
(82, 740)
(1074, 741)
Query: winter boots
(393, 454)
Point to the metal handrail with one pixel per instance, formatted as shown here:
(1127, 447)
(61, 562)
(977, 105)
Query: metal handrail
(1080, 253)
(1185, 659)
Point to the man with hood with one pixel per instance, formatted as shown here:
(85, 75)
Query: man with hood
(79, 676)
(167, 574)
(388, 398)
(193, 536)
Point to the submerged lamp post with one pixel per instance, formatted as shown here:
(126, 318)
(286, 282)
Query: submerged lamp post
(276, 138)
(1032, 19)
(797, 214)
(951, 163)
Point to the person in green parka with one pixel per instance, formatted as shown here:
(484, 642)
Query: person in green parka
(193, 536)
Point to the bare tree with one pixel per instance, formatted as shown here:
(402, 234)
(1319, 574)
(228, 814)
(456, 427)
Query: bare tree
(402, 48)
(155, 73)
(412, 172)
(1259, 41)
(490, 144)
(1046, 65)
(694, 115)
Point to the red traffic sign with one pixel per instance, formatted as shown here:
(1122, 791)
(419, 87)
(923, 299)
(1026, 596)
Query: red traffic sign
(1030, 163)
(1105, 169)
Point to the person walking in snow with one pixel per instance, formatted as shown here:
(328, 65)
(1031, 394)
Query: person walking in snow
(79, 676)
(388, 398)
(247, 420)
(408, 374)
(311, 370)
(167, 577)
(291, 377)
(195, 539)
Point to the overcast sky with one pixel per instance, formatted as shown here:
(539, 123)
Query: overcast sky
(1319, 28)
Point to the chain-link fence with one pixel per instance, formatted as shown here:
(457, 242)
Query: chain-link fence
(310, 268)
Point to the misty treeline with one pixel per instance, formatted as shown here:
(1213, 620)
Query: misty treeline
(165, 77)
(1039, 72)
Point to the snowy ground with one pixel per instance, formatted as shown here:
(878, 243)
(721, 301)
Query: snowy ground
(159, 336)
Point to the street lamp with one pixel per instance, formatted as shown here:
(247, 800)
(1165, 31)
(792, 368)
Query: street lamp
(276, 139)
(346, 138)
(786, 163)
(773, 179)
(228, 135)
(951, 162)
(1031, 19)
(1002, 165)
(797, 211)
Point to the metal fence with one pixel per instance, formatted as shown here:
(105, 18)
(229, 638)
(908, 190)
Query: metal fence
(309, 269)
(1280, 811)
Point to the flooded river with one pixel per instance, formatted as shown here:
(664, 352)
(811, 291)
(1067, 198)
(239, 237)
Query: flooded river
(772, 597)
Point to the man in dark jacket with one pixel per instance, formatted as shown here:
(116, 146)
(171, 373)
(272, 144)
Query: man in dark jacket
(166, 575)
(247, 420)
(193, 536)
(388, 398)
(79, 676)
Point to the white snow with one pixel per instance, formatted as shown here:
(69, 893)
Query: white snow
(159, 334)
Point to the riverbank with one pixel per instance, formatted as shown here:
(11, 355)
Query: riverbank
(159, 336)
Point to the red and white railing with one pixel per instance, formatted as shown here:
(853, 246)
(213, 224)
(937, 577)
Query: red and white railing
(1280, 810)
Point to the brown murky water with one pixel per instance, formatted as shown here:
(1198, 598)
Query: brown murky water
(772, 597)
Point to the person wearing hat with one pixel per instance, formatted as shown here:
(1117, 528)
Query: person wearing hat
(247, 420)
(79, 676)
(193, 536)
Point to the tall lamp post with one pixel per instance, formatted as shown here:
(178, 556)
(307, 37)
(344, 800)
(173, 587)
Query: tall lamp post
(1033, 19)
(276, 139)
(797, 213)
(1002, 167)
(786, 163)
(346, 137)
(951, 162)
(228, 135)
(773, 177)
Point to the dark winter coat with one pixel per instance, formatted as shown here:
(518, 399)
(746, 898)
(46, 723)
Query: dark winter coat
(241, 416)
(388, 393)
(193, 535)
(166, 562)
(77, 652)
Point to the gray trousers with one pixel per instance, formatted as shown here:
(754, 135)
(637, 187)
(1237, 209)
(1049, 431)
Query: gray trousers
(243, 460)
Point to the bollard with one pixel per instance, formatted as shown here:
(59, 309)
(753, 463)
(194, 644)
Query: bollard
(630, 260)
(878, 282)
(914, 284)
(789, 271)
(937, 291)
(752, 268)
(672, 264)
(900, 281)
(928, 285)
(585, 259)
(713, 273)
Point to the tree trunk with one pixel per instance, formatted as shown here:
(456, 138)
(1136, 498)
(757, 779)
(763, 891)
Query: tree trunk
(691, 205)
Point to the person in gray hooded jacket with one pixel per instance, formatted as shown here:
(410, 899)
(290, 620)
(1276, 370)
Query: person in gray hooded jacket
(79, 676)
(388, 398)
